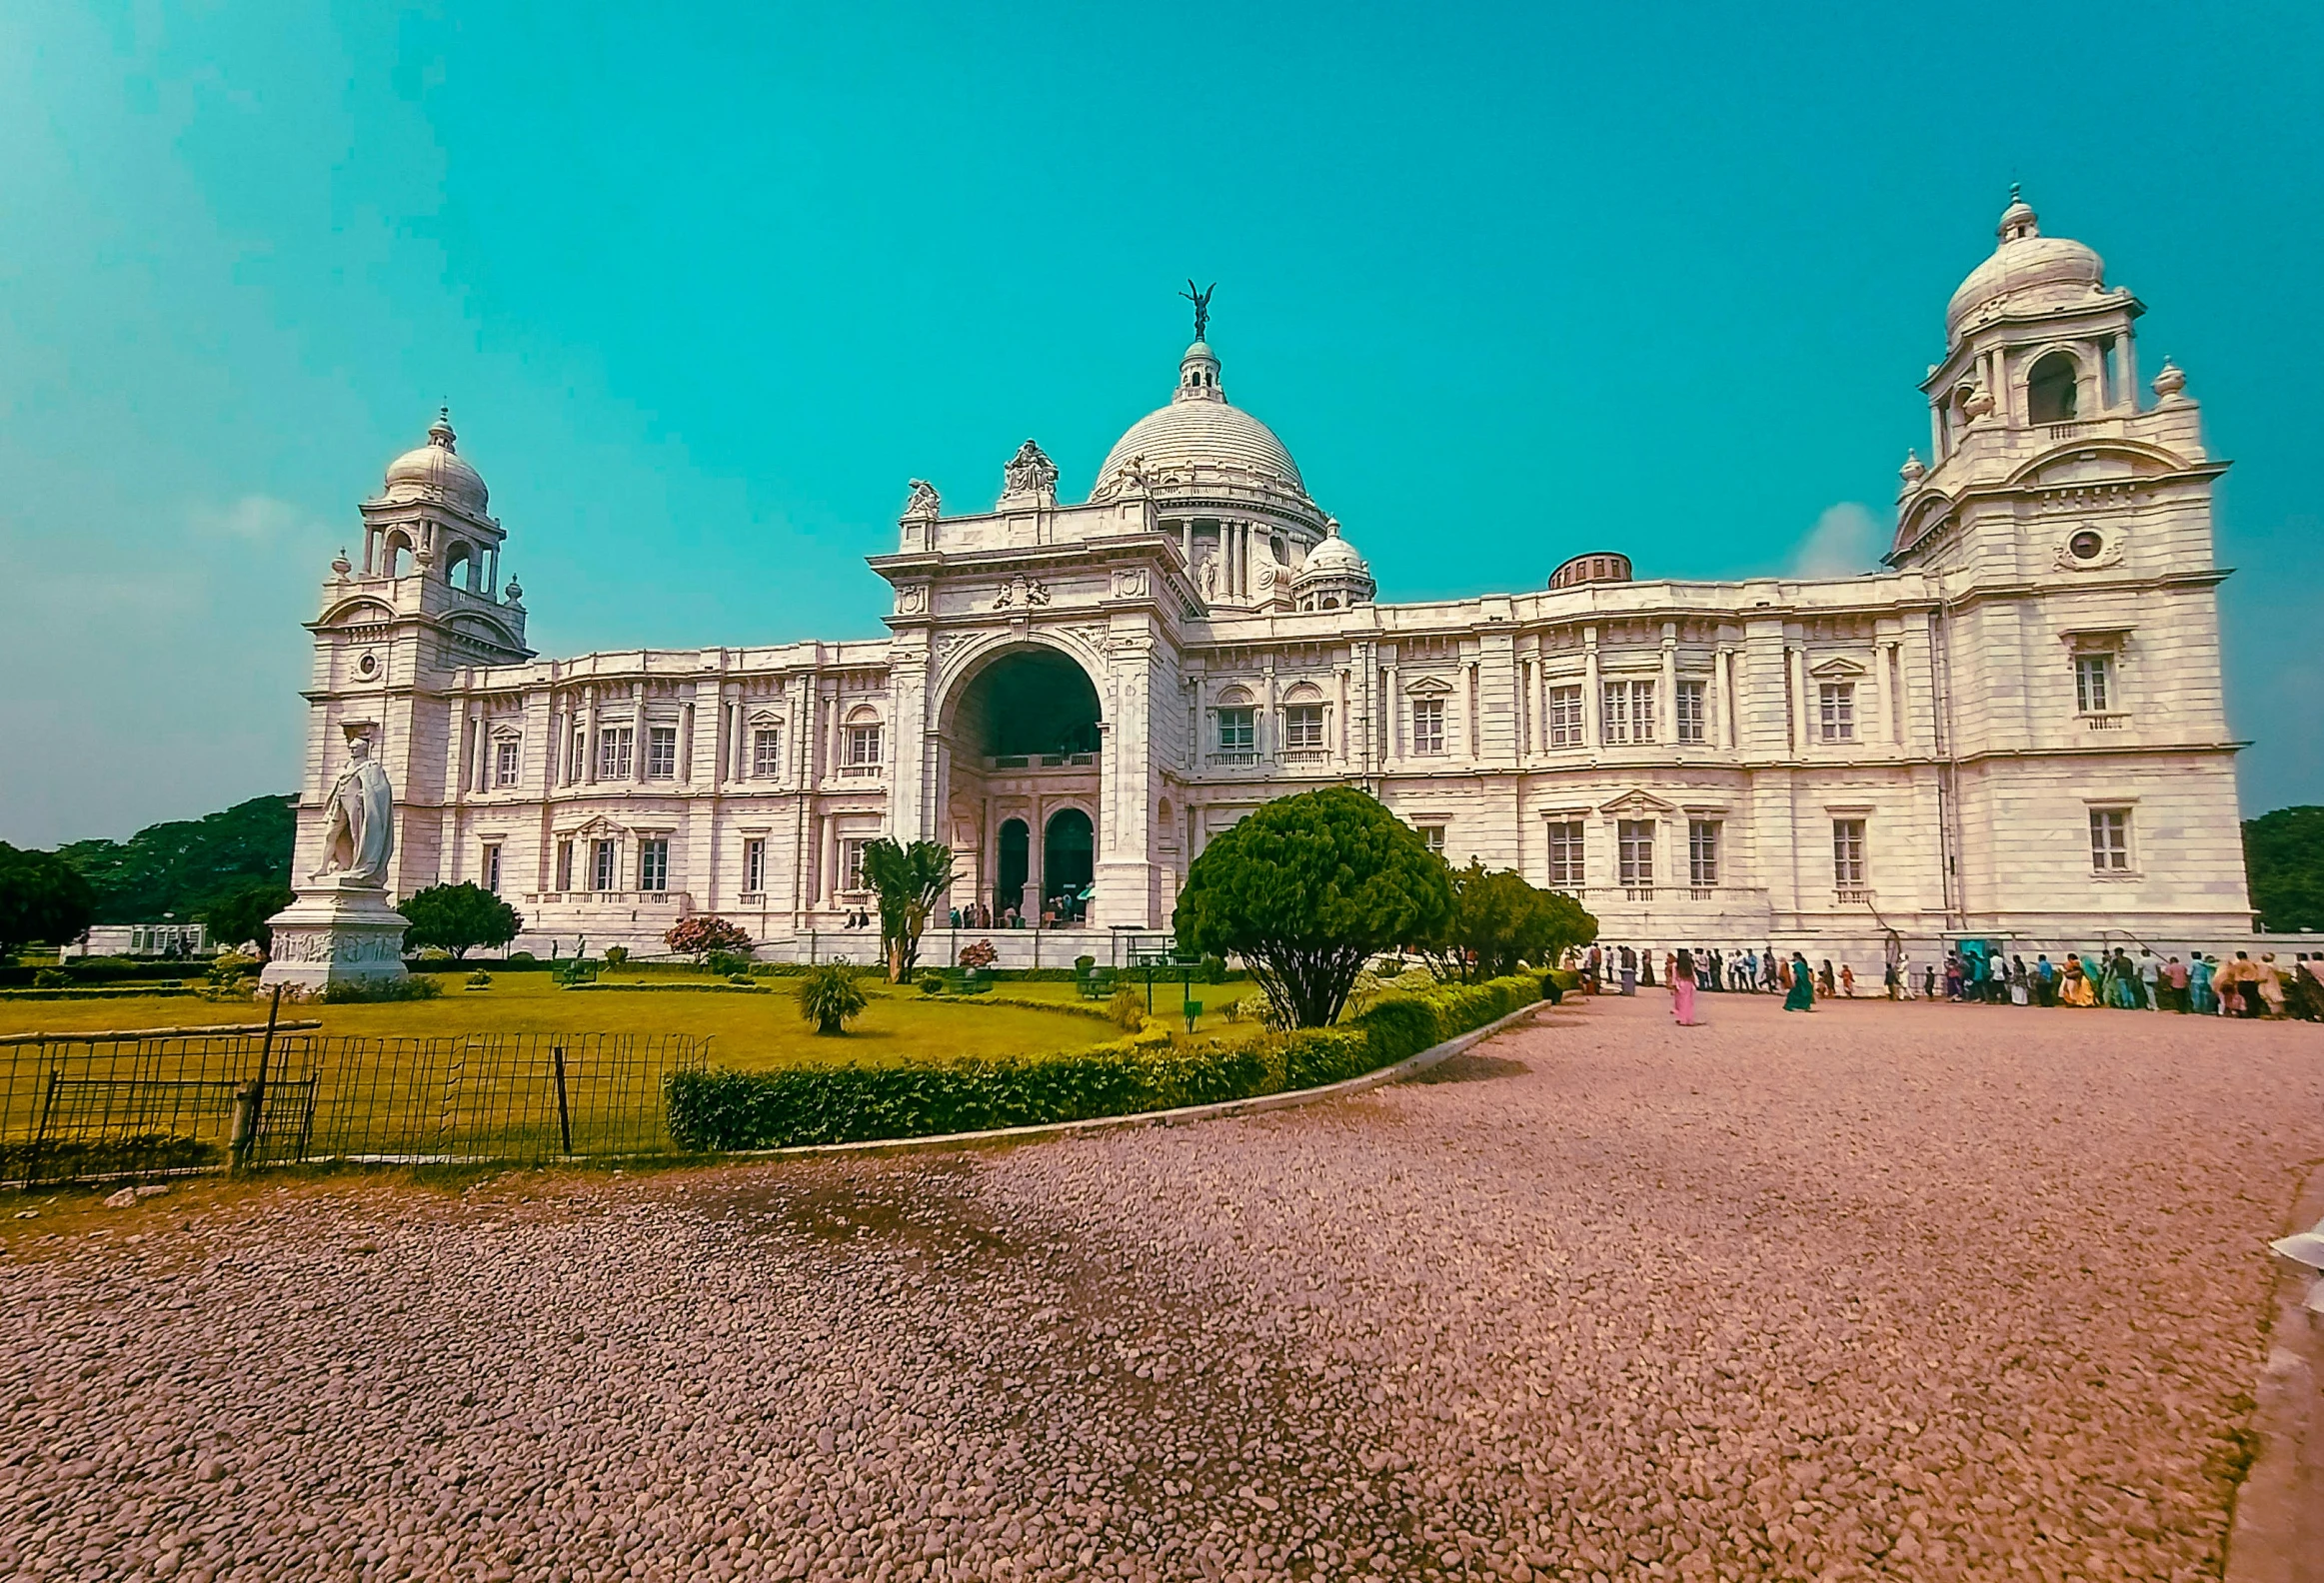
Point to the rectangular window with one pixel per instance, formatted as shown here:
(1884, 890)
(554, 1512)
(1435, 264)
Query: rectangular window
(1565, 716)
(1303, 728)
(2093, 683)
(653, 863)
(1629, 711)
(600, 865)
(1848, 856)
(1433, 835)
(767, 754)
(565, 866)
(1703, 854)
(577, 759)
(852, 862)
(662, 752)
(1635, 850)
(492, 867)
(863, 746)
(1237, 731)
(503, 762)
(2110, 840)
(1427, 726)
(755, 867)
(1565, 866)
(1691, 710)
(1837, 702)
(615, 744)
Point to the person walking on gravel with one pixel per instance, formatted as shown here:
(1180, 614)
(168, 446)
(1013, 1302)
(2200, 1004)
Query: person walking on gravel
(1803, 995)
(1682, 988)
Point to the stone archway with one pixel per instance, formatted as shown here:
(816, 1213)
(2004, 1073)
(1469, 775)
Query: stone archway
(1024, 736)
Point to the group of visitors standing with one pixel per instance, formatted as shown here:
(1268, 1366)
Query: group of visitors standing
(2202, 985)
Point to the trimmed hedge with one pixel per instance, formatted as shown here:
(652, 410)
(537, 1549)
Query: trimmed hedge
(92, 970)
(721, 1109)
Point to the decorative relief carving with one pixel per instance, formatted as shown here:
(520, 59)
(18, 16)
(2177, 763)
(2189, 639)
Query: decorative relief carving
(1020, 592)
(1091, 636)
(1129, 583)
(2088, 549)
(911, 599)
(340, 944)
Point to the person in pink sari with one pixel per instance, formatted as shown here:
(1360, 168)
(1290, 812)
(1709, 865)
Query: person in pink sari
(1682, 989)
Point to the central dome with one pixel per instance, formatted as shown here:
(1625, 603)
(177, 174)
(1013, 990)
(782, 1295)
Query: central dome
(1201, 429)
(2028, 271)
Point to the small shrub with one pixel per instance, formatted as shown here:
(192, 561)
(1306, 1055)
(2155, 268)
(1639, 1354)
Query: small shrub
(480, 979)
(1082, 965)
(726, 964)
(615, 955)
(522, 956)
(743, 978)
(1213, 969)
(1127, 1009)
(978, 953)
(52, 978)
(932, 983)
(829, 996)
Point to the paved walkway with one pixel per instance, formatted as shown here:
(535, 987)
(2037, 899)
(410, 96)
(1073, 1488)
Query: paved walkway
(1901, 1291)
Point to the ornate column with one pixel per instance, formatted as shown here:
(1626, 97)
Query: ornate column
(1593, 703)
(1724, 681)
(1666, 706)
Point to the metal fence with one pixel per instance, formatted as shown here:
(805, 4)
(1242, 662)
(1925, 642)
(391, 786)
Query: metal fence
(78, 1107)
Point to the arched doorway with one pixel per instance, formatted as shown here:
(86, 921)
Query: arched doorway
(1068, 866)
(1014, 855)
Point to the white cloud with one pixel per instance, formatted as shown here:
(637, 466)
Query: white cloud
(256, 519)
(1844, 542)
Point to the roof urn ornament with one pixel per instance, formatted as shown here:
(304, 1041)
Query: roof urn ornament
(926, 505)
(2171, 384)
(516, 593)
(1912, 472)
(341, 567)
(1980, 402)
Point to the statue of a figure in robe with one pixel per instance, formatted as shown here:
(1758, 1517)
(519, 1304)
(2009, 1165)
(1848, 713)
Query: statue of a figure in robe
(359, 818)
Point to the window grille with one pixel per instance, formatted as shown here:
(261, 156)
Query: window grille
(601, 866)
(492, 867)
(1634, 843)
(1837, 702)
(662, 752)
(1566, 870)
(755, 867)
(1629, 711)
(1303, 728)
(767, 754)
(2110, 840)
(1703, 854)
(654, 864)
(503, 762)
(1427, 726)
(1565, 716)
(2093, 683)
(1848, 856)
(1690, 703)
(614, 745)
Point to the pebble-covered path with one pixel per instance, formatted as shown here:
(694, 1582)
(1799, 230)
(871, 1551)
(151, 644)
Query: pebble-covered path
(1896, 1292)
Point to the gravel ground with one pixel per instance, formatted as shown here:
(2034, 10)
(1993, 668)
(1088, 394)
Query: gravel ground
(1899, 1291)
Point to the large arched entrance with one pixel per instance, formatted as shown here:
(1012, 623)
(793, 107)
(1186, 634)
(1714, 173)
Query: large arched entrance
(1024, 736)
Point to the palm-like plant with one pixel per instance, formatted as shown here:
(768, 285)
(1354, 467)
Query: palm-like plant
(828, 996)
(909, 879)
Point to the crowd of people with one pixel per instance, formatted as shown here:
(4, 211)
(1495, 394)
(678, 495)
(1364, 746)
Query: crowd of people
(2199, 985)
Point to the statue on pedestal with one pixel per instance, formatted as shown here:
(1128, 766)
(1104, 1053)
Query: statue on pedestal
(340, 929)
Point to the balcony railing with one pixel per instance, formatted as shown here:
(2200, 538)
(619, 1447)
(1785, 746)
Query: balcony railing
(1235, 755)
(1851, 895)
(1042, 761)
(679, 899)
(2106, 722)
(862, 769)
(1305, 756)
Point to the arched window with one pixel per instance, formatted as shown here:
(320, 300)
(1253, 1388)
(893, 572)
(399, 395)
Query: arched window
(459, 565)
(2051, 390)
(399, 550)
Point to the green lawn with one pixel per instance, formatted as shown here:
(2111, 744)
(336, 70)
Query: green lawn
(746, 1030)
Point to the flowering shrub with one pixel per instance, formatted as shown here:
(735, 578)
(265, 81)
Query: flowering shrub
(978, 953)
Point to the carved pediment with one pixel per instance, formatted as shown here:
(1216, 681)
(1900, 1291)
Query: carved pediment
(595, 828)
(767, 718)
(1636, 803)
(1837, 668)
(1428, 685)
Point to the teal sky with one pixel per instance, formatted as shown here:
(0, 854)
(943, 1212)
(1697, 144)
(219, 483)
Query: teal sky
(705, 286)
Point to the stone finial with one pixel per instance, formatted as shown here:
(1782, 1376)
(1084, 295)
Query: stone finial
(439, 432)
(2171, 384)
(341, 566)
(1980, 402)
(1912, 472)
(516, 591)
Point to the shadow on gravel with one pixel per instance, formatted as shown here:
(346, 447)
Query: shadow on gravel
(1471, 1067)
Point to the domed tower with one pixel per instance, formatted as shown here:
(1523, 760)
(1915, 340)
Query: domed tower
(2040, 357)
(400, 632)
(1223, 486)
(1334, 576)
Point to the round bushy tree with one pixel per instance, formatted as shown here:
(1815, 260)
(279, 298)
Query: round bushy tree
(700, 936)
(1307, 889)
(243, 916)
(457, 919)
(1498, 920)
(42, 897)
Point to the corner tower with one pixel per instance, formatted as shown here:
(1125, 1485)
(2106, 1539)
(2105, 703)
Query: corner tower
(397, 629)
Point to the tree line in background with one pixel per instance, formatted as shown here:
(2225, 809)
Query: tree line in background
(231, 870)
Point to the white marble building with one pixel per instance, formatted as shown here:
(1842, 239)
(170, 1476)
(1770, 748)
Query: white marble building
(2015, 729)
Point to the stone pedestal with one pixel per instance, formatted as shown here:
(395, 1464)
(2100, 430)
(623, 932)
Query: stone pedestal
(336, 931)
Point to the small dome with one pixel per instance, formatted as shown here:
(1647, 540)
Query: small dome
(1597, 566)
(437, 470)
(1334, 557)
(2028, 270)
(1202, 429)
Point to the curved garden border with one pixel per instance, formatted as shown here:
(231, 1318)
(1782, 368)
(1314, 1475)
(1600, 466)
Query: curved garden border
(1163, 1118)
